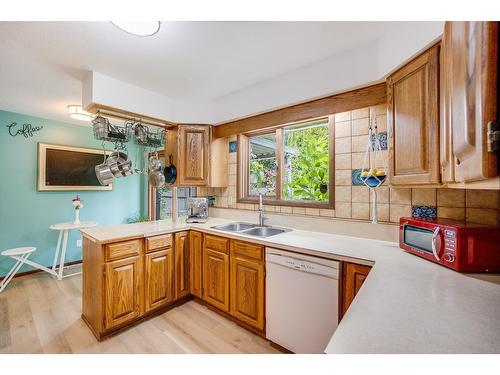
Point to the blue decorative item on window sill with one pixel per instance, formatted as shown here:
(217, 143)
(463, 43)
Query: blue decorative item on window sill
(424, 212)
(233, 146)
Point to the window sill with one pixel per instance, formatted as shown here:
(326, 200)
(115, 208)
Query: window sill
(275, 202)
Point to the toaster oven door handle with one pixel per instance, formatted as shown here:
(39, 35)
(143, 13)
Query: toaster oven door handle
(433, 243)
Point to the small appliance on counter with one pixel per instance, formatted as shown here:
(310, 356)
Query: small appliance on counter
(197, 210)
(453, 244)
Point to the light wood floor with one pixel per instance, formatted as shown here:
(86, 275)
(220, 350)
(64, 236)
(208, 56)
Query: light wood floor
(39, 314)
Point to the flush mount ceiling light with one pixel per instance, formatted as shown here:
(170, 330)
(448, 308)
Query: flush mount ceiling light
(138, 28)
(75, 111)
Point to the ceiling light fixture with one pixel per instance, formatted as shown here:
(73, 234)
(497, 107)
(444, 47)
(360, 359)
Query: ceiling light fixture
(138, 28)
(75, 111)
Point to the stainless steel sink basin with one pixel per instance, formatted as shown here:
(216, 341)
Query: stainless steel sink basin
(235, 227)
(265, 231)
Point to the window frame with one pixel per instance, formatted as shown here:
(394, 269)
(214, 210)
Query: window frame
(243, 157)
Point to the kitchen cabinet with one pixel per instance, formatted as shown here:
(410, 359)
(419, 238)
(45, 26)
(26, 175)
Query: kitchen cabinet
(353, 277)
(469, 101)
(200, 159)
(247, 279)
(181, 264)
(159, 270)
(195, 263)
(413, 121)
(123, 283)
(216, 271)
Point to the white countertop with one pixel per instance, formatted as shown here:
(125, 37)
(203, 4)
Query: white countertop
(406, 305)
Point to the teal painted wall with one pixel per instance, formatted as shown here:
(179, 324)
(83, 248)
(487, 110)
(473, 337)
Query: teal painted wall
(26, 214)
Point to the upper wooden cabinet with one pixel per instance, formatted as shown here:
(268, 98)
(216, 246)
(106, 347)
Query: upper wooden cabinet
(200, 160)
(181, 265)
(413, 121)
(469, 100)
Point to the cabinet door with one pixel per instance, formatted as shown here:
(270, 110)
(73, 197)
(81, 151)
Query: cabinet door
(193, 154)
(195, 263)
(159, 279)
(413, 119)
(472, 63)
(123, 285)
(247, 291)
(181, 265)
(216, 278)
(353, 277)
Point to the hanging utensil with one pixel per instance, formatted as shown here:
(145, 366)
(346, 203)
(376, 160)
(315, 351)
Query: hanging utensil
(154, 162)
(170, 171)
(103, 172)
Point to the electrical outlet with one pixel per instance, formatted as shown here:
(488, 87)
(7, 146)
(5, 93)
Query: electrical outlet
(78, 243)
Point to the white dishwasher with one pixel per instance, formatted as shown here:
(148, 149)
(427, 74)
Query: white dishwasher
(302, 295)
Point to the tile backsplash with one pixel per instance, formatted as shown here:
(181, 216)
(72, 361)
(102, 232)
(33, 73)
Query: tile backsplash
(352, 200)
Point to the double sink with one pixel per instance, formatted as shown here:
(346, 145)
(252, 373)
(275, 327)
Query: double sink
(251, 229)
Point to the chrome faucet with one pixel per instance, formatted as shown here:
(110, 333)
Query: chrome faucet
(261, 211)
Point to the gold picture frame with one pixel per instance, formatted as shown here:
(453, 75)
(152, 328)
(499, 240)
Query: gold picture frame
(42, 168)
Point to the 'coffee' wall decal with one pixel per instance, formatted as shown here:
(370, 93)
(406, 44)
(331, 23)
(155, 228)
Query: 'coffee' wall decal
(27, 130)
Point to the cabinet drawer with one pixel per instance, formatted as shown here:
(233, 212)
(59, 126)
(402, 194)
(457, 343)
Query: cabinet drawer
(217, 243)
(248, 250)
(123, 249)
(158, 242)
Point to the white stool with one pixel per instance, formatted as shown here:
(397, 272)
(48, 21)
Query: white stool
(20, 254)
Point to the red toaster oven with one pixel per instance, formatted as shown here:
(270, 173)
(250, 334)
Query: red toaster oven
(462, 247)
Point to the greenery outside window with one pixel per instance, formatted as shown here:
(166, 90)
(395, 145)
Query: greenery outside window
(291, 165)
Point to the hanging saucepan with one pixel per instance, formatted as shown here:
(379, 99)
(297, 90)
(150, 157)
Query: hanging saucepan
(170, 171)
(103, 172)
(154, 162)
(156, 177)
(119, 164)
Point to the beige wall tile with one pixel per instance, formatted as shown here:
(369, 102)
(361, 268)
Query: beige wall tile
(286, 210)
(360, 194)
(383, 194)
(357, 160)
(360, 126)
(361, 211)
(231, 169)
(241, 206)
(399, 210)
(343, 145)
(360, 113)
(424, 197)
(359, 143)
(312, 211)
(298, 210)
(343, 116)
(342, 129)
(400, 196)
(481, 198)
(454, 213)
(232, 158)
(232, 138)
(343, 210)
(451, 197)
(343, 161)
(326, 212)
(481, 215)
(342, 193)
(343, 177)
(381, 159)
(232, 179)
(380, 109)
(220, 201)
(268, 208)
(382, 212)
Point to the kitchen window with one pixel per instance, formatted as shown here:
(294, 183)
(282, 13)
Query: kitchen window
(291, 165)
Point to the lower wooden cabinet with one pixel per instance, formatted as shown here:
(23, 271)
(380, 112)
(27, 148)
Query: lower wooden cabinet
(181, 265)
(216, 272)
(123, 284)
(195, 263)
(247, 279)
(353, 277)
(159, 271)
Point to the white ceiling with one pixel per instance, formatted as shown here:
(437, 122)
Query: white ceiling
(43, 63)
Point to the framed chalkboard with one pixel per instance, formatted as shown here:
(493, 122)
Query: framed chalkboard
(68, 168)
